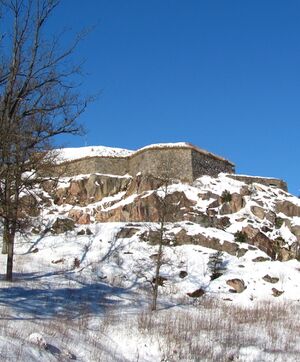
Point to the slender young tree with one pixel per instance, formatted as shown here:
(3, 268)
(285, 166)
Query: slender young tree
(165, 213)
(38, 101)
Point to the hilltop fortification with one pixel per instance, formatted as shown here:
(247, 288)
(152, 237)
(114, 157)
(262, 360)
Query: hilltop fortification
(179, 161)
(182, 161)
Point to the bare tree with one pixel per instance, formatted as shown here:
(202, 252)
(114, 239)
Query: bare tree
(165, 214)
(38, 101)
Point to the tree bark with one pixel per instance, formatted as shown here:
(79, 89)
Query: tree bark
(10, 257)
(158, 266)
(5, 239)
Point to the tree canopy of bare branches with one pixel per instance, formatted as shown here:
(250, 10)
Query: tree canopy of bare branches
(39, 100)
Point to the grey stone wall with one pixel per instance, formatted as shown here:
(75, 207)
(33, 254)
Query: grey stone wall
(105, 165)
(173, 163)
(206, 164)
(185, 163)
(261, 180)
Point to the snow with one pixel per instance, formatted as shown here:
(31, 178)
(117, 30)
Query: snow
(71, 154)
(38, 339)
(166, 145)
(97, 307)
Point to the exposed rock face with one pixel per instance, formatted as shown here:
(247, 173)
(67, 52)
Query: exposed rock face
(139, 199)
(141, 183)
(276, 249)
(148, 207)
(80, 217)
(295, 229)
(288, 208)
(182, 238)
(257, 238)
(92, 189)
(258, 212)
(235, 205)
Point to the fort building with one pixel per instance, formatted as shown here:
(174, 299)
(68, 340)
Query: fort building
(181, 161)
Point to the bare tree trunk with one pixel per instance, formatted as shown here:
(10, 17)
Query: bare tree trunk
(157, 267)
(5, 239)
(10, 257)
(38, 102)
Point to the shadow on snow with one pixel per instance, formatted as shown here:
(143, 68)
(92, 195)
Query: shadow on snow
(47, 300)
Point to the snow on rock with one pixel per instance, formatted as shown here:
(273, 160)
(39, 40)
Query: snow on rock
(37, 339)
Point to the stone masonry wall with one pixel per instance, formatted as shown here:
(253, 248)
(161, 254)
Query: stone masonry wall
(173, 163)
(261, 180)
(205, 164)
(88, 165)
(183, 163)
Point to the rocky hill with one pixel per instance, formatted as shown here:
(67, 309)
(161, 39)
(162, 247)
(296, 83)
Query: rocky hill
(219, 213)
(85, 270)
(248, 226)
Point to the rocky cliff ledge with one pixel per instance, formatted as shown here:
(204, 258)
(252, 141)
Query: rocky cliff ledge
(220, 212)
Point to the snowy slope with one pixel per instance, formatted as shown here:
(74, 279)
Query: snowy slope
(86, 293)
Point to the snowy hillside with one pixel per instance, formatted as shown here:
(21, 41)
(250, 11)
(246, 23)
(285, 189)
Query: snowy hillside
(230, 278)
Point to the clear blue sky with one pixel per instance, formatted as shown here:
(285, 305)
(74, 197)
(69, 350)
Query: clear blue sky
(223, 75)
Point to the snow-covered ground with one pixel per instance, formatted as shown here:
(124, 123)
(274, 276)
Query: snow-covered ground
(86, 294)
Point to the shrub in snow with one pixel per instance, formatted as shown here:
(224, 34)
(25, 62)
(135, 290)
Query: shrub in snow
(240, 237)
(76, 263)
(215, 265)
(226, 196)
(278, 222)
(38, 339)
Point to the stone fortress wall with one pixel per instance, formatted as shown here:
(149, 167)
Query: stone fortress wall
(183, 161)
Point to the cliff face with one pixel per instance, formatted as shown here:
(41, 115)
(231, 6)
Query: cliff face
(221, 213)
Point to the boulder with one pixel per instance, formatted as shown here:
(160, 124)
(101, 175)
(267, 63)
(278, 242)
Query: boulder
(183, 274)
(269, 279)
(258, 211)
(37, 339)
(276, 292)
(88, 231)
(196, 293)
(237, 284)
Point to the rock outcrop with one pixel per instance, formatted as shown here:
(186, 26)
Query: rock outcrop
(265, 217)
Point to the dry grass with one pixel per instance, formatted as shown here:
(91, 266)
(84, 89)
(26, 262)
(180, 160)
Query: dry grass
(217, 331)
(212, 331)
